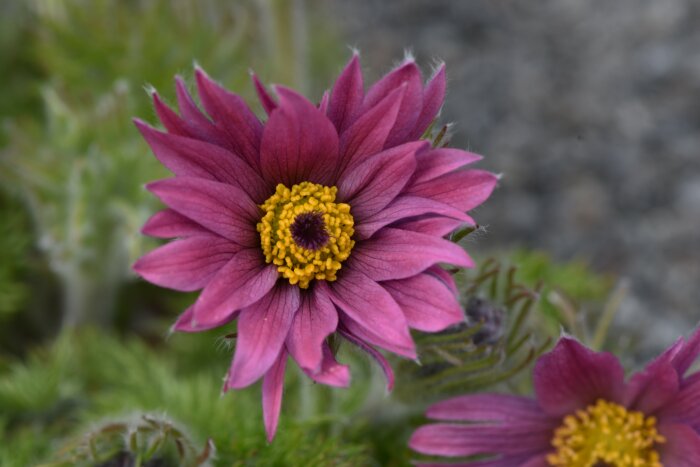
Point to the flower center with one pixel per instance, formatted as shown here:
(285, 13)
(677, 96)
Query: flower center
(606, 434)
(306, 233)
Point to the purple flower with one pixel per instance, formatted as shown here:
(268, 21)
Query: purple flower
(584, 414)
(323, 219)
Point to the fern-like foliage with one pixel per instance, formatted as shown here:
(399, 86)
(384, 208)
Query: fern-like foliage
(89, 383)
(492, 346)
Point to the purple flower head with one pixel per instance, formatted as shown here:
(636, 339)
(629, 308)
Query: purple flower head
(584, 414)
(320, 220)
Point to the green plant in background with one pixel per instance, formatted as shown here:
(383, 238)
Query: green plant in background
(68, 392)
(80, 168)
(14, 250)
(493, 345)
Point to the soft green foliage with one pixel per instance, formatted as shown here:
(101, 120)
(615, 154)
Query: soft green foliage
(88, 378)
(14, 250)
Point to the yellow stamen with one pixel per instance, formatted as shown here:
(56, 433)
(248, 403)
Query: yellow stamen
(606, 434)
(298, 264)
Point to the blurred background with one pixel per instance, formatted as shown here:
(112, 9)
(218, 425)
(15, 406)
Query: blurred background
(591, 111)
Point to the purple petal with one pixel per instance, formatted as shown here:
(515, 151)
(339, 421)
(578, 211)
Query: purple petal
(397, 254)
(437, 162)
(221, 208)
(347, 95)
(445, 439)
(403, 207)
(367, 135)
(186, 322)
(330, 373)
(272, 389)
(463, 189)
(262, 329)
(444, 276)
(426, 302)
(190, 157)
(323, 105)
(198, 124)
(433, 97)
(373, 308)
(171, 120)
(232, 116)
(267, 102)
(370, 186)
(437, 226)
(682, 446)
(375, 354)
(688, 354)
(169, 224)
(299, 143)
(653, 387)
(240, 283)
(571, 377)
(187, 264)
(684, 407)
(501, 408)
(315, 320)
(408, 77)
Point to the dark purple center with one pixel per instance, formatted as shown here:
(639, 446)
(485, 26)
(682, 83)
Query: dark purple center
(309, 231)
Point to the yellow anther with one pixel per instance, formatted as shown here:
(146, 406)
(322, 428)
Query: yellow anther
(294, 262)
(606, 434)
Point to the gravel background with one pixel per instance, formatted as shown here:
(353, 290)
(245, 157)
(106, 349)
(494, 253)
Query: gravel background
(591, 110)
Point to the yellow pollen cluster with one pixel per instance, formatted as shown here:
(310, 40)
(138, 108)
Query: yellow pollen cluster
(294, 262)
(606, 434)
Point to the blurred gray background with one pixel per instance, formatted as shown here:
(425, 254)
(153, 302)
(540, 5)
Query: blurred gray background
(591, 110)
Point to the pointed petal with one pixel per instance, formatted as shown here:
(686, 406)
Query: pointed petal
(408, 77)
(375, 354)
(347, 95)
(426, 302)
(221, 208)
(437, 226)
(190, 157)
(170, 119)
(169, 224)
(501, 408)
(267, 102)
(571, 377)
(367, 135)
(272, 389)
(187, 264)
(262, 329)
(397, 254)
(373, 308)
(198, 124)
(313, 323)
(689, 353)
(242, 281)
(446, 439)
(408, 207)
(433, 97)
(463, 189)
(323, 105)
(370, 186)
(299, 143)
(330, 373)
(684, 407)
(186, 322)
(682, 446)
(434, 163)
(232, 116)
(654, 386)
